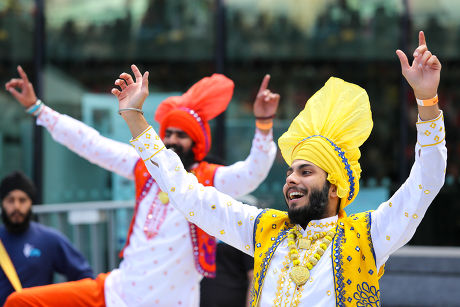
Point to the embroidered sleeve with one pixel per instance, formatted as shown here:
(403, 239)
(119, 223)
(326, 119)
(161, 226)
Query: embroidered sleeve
(88, 143)
(243, 177)
(216, 213)
(395, 221)
(432, 132)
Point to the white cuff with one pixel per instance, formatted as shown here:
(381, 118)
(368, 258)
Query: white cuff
(147, 144)
(431, 132)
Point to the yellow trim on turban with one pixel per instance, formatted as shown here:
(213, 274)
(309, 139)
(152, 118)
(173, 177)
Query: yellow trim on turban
(328, 132)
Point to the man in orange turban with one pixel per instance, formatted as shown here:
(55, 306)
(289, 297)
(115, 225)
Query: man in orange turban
(191, 112)
(165, 256)
(314, 254)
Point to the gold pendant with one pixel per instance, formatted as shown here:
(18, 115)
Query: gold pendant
(163, 196)
(304, 243)
(299, 275)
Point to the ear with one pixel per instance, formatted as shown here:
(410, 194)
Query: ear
(333, 191)
(334, 198)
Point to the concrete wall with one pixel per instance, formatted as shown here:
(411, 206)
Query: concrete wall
(422, 276)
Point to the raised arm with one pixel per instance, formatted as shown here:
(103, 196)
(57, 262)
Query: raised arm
(243, 177)
(131, 99)
(216, 213)
(395, 221)
(75, 135)
(423, 76)
(265, 107)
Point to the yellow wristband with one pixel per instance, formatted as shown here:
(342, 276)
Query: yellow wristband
(264, 126)
(427, 102)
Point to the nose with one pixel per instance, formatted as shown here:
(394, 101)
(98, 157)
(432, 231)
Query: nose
(16, 203)
(174, 139)
(171, 139)
(292, 179)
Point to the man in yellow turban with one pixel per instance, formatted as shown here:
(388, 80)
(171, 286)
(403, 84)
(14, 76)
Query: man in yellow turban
(314, 254)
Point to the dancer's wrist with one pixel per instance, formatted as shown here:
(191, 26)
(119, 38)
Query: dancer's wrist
(36, 108)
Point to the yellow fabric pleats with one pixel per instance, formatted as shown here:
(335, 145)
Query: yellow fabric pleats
(328, 132)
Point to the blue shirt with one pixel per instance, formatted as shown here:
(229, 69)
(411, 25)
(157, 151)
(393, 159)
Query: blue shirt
(36, 254)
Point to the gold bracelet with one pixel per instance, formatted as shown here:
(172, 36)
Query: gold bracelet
(264, 126)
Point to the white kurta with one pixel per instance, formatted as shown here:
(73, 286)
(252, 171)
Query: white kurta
(157, 269)
(392, 224)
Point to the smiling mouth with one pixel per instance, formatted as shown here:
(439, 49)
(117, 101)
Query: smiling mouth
(293, 195)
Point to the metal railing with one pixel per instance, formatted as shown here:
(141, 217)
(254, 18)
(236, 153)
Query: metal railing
(97, 229)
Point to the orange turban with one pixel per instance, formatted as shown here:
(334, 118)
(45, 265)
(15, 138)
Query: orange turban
(191, 112)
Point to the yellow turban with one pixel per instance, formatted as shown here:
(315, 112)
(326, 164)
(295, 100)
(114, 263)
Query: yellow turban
(328, 132)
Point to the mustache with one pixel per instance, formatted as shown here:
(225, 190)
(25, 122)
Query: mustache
(16, 227)
(176, 148)
(17, 212)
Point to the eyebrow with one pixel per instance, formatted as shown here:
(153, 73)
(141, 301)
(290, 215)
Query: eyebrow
(177, 131)
(172, 130)
(290, 169)
(180, 133)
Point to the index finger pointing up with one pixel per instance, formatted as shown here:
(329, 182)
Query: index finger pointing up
(264, 84)
(137, 73)
(23, 74)
(421, 38)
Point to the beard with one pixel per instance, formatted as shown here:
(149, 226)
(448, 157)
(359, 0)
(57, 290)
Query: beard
(17, 228)
(187, 157)
(315, 209)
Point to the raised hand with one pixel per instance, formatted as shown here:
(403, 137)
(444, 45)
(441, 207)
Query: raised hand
(132, 94)
(26, 94)
(266, 102)
(424, 73)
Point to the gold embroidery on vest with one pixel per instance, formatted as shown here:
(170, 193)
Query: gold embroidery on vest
(353, 260)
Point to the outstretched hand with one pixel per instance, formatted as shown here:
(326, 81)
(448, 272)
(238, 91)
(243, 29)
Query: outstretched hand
(133, 93)
(26, 94)
(266, 102)
(424, 73)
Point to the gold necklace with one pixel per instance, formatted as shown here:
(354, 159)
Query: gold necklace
(299, 273)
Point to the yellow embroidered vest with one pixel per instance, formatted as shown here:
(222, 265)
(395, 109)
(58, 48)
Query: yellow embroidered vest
(353, 260)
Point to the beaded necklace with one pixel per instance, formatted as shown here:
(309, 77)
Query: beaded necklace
(156, 214)
(299, 273)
